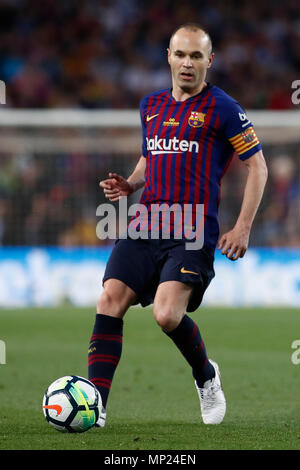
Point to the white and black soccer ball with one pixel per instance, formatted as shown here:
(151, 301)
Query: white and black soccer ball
(72, 404)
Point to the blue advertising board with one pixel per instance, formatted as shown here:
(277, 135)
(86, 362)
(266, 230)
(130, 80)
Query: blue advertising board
(50, 276)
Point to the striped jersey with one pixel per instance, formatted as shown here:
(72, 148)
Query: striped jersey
(189, 145)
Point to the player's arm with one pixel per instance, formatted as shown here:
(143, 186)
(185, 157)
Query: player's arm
(137, 178)
(235, 242)
(116, 186)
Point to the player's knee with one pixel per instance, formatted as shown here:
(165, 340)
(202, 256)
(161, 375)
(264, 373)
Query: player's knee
(108, 305)
(167, 318)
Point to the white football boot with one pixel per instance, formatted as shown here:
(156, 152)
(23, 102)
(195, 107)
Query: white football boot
(212, 399)
(101, 420)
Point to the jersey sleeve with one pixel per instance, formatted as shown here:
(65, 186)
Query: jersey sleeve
(143, 117)
(239, 131)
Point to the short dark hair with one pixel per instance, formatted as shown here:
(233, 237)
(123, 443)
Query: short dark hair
(193, 27)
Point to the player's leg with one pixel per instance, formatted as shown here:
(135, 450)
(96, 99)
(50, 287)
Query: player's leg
(170, 304)
(171, 301)
(106, 341)
(115, 299)
(128, 275)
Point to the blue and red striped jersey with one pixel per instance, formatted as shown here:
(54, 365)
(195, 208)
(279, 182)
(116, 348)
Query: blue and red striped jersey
(189, 145)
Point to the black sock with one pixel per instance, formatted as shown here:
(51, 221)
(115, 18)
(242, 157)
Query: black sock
(104, 352)
(187, 338)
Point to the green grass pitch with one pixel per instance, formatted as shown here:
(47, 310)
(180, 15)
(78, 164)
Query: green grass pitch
(153, 404)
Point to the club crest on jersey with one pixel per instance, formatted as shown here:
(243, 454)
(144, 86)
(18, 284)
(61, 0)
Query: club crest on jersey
(196, 119)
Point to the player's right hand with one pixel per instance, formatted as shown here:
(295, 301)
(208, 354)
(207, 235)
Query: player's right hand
(115, 187)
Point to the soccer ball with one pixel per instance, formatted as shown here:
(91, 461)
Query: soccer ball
(72, 404)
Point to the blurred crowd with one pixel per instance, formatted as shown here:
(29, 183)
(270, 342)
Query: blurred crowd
(277, 223)
(52, 199)
(108, 54)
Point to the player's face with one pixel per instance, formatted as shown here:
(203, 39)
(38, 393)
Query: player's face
(189, 57)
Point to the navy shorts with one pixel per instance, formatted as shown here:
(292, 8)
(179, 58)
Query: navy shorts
(143, 264)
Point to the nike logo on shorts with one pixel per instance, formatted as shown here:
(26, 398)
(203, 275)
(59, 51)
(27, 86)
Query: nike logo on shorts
(184, 271)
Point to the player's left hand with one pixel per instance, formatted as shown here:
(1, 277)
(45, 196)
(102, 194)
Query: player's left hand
(234, 243)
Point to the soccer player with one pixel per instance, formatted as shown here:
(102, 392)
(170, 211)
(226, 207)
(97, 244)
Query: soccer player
(190, 134)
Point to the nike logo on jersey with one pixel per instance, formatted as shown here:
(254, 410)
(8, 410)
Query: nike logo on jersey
(57, 408)
(184, 271)
(151, 117)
